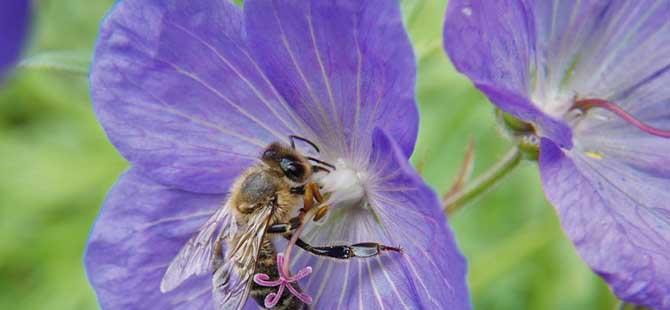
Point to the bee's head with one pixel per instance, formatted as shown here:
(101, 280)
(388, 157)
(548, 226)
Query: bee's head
(289, 161)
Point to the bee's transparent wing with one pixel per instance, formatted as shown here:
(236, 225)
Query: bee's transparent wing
(231, 282)
(197, 256)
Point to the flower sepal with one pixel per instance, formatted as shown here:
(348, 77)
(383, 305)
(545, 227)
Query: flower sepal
(513, 125)
(522, 133)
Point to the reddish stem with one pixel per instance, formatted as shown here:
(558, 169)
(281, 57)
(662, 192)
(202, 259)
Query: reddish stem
(586, 104)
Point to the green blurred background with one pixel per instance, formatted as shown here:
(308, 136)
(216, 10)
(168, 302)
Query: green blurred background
(57, 165)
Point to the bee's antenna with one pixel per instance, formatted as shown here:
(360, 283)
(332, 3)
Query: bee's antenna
(294, 137)
(322, 162)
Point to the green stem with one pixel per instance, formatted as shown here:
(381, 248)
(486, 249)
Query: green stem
(71, 62)
(484, 182)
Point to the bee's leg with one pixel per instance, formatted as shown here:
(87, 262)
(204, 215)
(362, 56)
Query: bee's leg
(282, 228)
(308, 199)
(309, 191)
(362, 250)
(321, 212)
(316, 192)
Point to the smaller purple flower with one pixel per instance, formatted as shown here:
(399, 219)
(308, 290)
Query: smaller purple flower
(14, 20)
(591, 78)
(192, 91)
(284, 281)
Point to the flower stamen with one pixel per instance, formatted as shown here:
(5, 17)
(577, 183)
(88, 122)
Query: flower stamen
(586, 104)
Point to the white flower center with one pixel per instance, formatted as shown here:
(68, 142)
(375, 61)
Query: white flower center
(560, 106)
(345, 185)
(556, 105)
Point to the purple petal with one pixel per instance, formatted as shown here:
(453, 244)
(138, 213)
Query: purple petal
(614, 50)
(491, 42)
(604, 49)
(346, 67)
(140, 229)
(611, 188)
(302, 296)
(14, 18)
(618, 217)
(179, 95)
(404, 212)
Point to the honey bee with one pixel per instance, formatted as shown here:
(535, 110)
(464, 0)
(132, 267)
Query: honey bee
(235, 243)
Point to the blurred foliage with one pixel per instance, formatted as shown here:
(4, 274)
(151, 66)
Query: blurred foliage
(57, 166)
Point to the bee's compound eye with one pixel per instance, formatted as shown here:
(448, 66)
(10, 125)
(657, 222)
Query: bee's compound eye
(292, 169)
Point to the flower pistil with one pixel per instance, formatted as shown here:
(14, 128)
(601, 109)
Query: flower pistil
(284, 281)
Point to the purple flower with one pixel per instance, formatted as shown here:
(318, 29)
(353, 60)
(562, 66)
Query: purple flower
(592, 78)
(191, 92)
(14, 16)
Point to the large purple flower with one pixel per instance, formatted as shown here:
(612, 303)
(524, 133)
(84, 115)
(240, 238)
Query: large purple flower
(13, 29)
(592, 78)
(190, 92)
